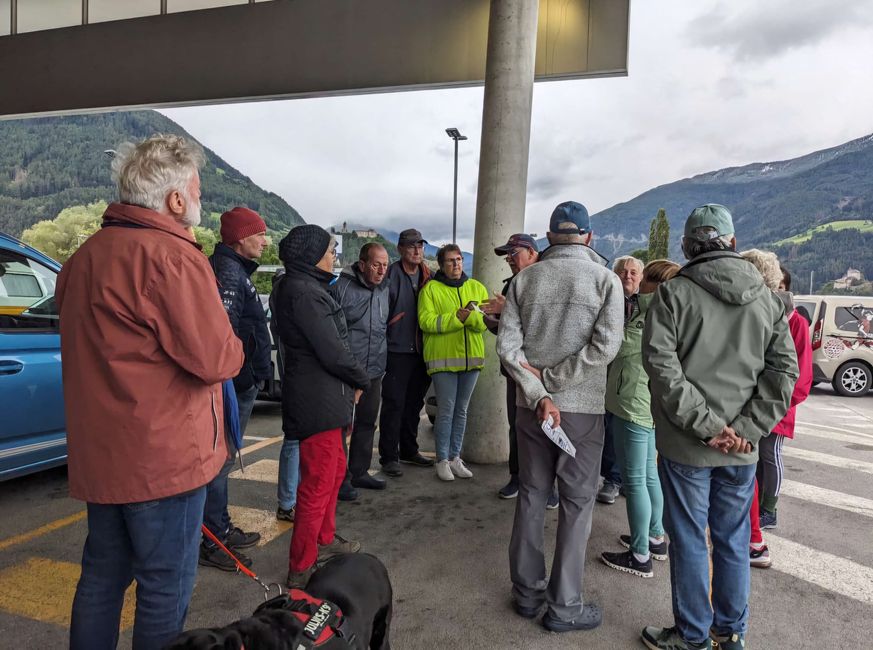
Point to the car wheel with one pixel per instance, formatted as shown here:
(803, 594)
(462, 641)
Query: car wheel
(853, 379)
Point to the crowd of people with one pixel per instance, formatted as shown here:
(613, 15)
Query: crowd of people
(672, 386)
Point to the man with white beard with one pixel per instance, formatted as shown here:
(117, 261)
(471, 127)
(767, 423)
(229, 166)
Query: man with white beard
(146, 345)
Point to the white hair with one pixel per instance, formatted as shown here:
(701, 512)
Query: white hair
(147, 172)
(767, 264)
(626, 260)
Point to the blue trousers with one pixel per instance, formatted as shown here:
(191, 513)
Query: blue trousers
(154, 543)
(453, 391)
(215, 514)
(718, 497)
(289, 474)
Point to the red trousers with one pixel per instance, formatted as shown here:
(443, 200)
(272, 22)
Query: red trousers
(322, 469)
(754, 515)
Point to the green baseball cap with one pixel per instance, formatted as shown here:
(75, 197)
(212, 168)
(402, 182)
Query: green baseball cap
(708, 222)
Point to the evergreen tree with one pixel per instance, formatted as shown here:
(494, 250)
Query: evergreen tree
(659, 236)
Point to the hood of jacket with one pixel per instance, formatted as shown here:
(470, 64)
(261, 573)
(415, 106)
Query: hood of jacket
(296, 267)
(134, 216)
(787, 299)
(449, 282)
(573, 250)
(726, 276)
(354, 273)
(223, 250)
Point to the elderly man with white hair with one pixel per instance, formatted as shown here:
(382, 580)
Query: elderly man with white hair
(630, 271)
(146, 344)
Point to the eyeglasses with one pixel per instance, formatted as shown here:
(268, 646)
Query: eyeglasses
(454, 261)
(515, 252)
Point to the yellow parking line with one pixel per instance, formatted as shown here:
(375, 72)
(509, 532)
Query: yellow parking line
(43, 590)
(72, 519)
(42, 530)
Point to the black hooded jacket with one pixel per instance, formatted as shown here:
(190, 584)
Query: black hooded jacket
(320, 373)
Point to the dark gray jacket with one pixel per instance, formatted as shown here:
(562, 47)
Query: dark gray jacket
(366, 311)
(404, 335)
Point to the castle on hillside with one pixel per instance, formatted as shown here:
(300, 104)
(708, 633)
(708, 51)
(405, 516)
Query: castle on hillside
(850, 279)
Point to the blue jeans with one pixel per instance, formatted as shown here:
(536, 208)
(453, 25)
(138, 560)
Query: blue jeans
(154, 543)
(289, 473)
(635, 456)
(453, 391)
(215, 514)
(720, 497)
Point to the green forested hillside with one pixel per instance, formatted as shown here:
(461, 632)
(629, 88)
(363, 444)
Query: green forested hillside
(50, 163)
(769, 201)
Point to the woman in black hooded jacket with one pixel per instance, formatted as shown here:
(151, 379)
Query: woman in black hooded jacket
(320, 384)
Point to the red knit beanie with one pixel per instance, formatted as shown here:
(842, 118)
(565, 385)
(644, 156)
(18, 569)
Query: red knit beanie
(239, 223)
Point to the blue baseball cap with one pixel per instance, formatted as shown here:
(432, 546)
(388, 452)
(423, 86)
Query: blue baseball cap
(520, 239)
(570, 218)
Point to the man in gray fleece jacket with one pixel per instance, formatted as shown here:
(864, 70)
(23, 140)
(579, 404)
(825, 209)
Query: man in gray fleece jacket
(561, 325)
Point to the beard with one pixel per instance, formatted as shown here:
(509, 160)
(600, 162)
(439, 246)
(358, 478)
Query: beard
(192, 213)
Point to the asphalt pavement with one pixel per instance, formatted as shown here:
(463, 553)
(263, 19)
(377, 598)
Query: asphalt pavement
(445, 546)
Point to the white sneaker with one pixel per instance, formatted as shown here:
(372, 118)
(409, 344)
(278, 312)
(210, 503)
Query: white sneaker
(444, 471)
(459, 469)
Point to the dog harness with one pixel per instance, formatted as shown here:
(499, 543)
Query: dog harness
(324, 625)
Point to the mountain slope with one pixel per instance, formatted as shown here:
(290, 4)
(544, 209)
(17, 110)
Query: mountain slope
(48, 164)
(769, 201)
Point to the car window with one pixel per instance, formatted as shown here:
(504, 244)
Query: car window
(806, 309)
(27, 294)
(857, 319)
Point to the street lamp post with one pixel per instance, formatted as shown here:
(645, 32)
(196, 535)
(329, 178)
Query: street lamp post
(455, 135)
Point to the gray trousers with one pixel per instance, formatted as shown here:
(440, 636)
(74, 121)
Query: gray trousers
(540, 462)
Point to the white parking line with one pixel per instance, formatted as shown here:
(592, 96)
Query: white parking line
(257, 438)
(843, 428)
(829, 459)
(835, 435)
(823, 569)
(830, 498)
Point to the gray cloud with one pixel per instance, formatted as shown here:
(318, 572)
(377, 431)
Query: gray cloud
(771, 28)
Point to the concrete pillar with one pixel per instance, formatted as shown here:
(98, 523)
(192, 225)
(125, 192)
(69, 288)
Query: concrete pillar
(509, 76)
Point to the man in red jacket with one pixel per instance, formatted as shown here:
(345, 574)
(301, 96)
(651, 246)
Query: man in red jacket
(145, 344)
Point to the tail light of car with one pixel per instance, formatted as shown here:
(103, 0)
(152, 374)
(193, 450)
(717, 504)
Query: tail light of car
(819, 327)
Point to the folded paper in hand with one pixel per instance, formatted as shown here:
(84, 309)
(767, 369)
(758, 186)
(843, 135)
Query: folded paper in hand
(557, 435)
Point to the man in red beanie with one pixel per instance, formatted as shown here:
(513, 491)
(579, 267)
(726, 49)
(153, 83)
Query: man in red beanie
(243, 239)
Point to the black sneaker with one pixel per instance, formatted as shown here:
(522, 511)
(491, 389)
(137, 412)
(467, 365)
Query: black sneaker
(510, 490)
(668, 638)
(590, 618)
(298, 579)
(767, 519)
(239, 539)
(286, 515)
(367, 482)
(347, 492)
(392, 469)
(732, 641)
(418, 460)
(628, 563)
(607, 493)
(658, 551)
(215, 557)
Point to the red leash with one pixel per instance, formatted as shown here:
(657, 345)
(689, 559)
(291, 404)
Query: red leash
(242, 568)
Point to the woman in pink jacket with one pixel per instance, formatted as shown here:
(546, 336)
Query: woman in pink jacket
(770, 466)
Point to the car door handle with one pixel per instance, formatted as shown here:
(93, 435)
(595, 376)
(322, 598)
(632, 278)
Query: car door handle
(10, 367)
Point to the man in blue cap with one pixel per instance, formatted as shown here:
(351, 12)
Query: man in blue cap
(722, 366)
(561, 326)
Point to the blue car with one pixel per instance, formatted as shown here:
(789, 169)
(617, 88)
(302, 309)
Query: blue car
(33, 434)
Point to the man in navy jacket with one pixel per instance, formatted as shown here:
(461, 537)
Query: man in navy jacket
(243, 239)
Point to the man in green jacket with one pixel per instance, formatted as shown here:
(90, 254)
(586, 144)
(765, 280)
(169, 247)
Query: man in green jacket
(722, 366)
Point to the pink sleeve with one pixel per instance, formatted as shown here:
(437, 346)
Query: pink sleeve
(800, 334)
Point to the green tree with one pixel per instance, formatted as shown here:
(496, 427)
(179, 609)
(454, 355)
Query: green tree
(207, 238)
(641, 254)
(659, 236)
(60, 237)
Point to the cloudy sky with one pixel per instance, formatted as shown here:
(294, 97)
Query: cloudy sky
(711, 84)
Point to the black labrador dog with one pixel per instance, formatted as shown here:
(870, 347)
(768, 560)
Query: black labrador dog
(357, 583)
